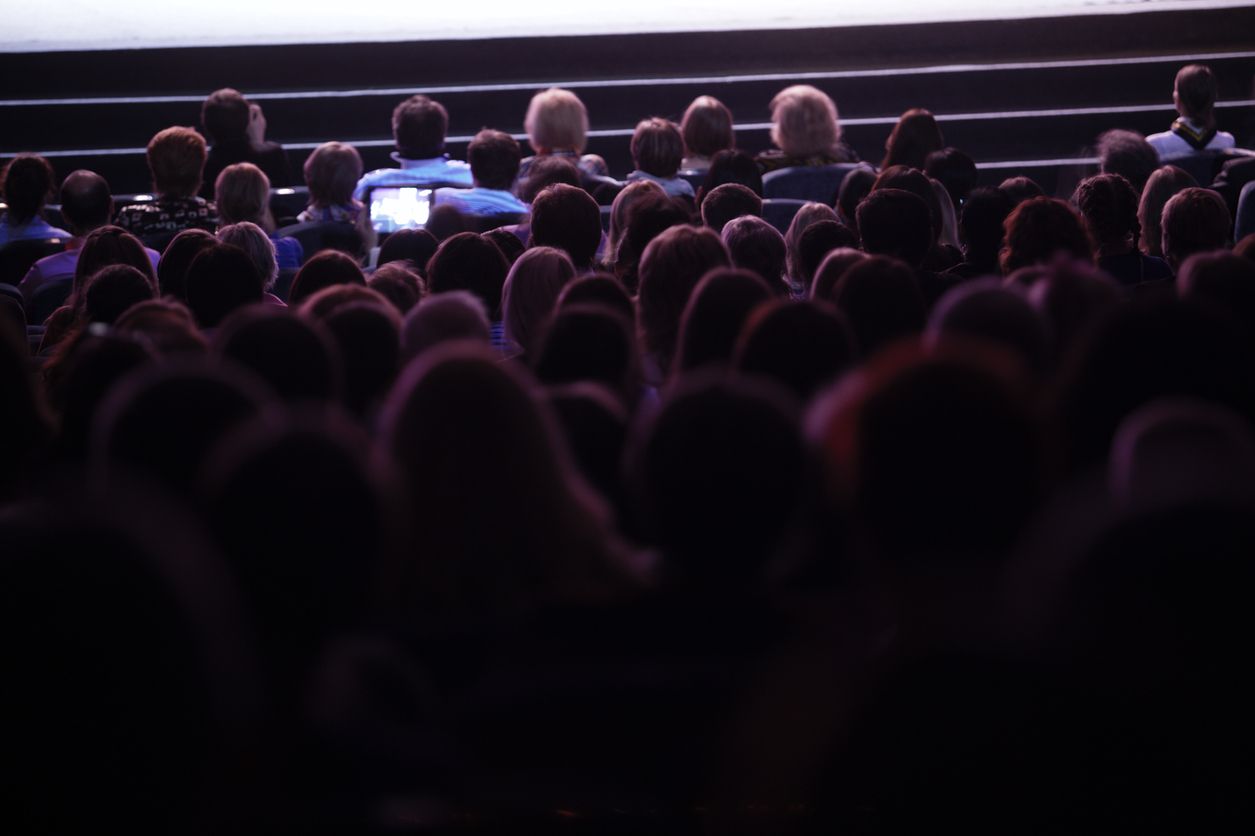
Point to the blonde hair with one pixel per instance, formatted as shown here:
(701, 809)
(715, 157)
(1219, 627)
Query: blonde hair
(242, 193)
(332, 172)
(556, 121)
(804, 121)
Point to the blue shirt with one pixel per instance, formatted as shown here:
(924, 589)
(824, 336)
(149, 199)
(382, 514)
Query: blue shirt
(33, 230)
(435, 170)
(289, 254)
(480, 201)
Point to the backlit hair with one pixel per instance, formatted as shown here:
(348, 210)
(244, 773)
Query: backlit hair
(707, 127)
(804, 121)
(331, 173)
(242, 193)
(556, 121)
(176, 159)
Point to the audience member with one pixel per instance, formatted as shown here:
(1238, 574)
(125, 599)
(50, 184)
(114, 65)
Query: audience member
(590, 343)
(1108, 205)
(913, 138)
(715, 315)
(814, 245)
(557, 125)
(1128, 154)
(981, 231)
(221, 279)
(1039, 229)
(176, 160)
(295, 355)
(1162, 185)
(881, 298)
(28, 181)
(401, 286)
(670, 269)
(731, 167)
(331, 174)
(803, 346)
(805, 130)
(250, 238)
(1020, 189)
(494, 159)
(419, 125)
(413, 246)
(657, 151)
(467, 261)
(1194, 93)
(178, 255)
(707, 129)
(242, 194)
(236, 128)
(567, 218)
(623, 203)
(531, 294)
(1194, 221)
(728, 202)
(757, 246)
(955, 170)
(446, 317)
(327, 268)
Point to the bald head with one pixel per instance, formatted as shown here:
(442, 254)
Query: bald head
(86, 203)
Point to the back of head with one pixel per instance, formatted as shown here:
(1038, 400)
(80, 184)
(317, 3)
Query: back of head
(1039, 229)
(568, 218)
(327, 268)
(1109, 206)
(1195, 91)
(1020, 189)
(715, 315)
(813, 246)
(729, 201)
(86, 203)
(995, 314)
(467, 261)
(896, 223)
(556, 121)
(917, 183)
(1163, 184)
(242, 193)
(589, 343)
(732, 167)
(110, 245)
(624, 201)
(221, 279)
(804, 121)
(599, 289)
(176, 160)
(547, 171)
(834, 265)
(657, 147)
(721, 473)
(418, 128)
(401, 286)
(446, 317)
(1221, 279)
(225, 116)
(1072, 297)
(981, 226)
(955, 170)
(368, 336)
(323, 303)
(253, 240)
(1128, 154)
(913, 138)
(808, 214)
(803, 346)
(670, 269)
(165, 325)
(331, 173)
(28, 183)
(416, 246)
(757, 246)
(707, 127)
(648, 217)
(854, 188)
(882, 300)
(1194, 221)
(110, 291)
(87, 373)
(295, 355)
(177, 257)
(531, 293)
(494, 157)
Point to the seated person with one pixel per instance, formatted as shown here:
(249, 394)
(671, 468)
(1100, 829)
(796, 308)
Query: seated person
(176, 159)
(1108, 205)
(805, 130)
(243, 194)
(86, 205)
(494, 158)
(657, 150)
(1194, 95)
(331, 173)
(237, 129)
(707, 130)
(28, 180)
(419, 125)
(1194, 221)
(557, 125)
(1128, 154)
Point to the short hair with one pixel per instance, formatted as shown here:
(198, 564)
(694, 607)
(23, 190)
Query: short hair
(883, 301)
(620, 208)
(835, 264)
(956, 171)
(1040, 228)
(415, 246)
(446, 317)
(731, 167)
(467, 261)
(109, 292)
(729, 201)
(331, 173)
(177, 257)
(253, 240)
(804, 121)
(1163, 184)
(556, 120)
(1194, 221)
(176, 160)
(1020, 189)
(221, 279)
(707, 127)
(657, 147)
(242, 193)
(28, 183)
(85, 201)
(914, 181)
(544, 172)
(757, 246)
(419, 125)
(109, 245)
(1109, 206)
(401, 286)
(815, 243)
(670, 268)
(324, 269)
(225, 115)
(913, 138)
(1196, 91)
(568, 218)
(1129, 154)
(896, 223)
(494, 157)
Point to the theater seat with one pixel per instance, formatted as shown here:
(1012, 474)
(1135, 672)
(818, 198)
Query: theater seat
(779, 212)
(16, 257)
(47, 299)
(1244, 221)
(820, 184)
(325, 235)
(1202, 166)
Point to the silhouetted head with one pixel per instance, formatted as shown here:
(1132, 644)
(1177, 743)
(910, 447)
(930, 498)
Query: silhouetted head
(295, 355)
(985, 310)
(1165, 182)
(416, 246)
(531, 293)
(327, 268)
(955, 170)
(447, 317)
(590, 343)
(1128, 154)
(882, 301)
(599, 289)
(86, 203)
(757, 246)
(981, 227)
(1040, 229)
(28, 183)
(715, 316)
(802, 346)
(670, 269)
(815, 244)
(1194, 221)
(400, 285)
(913, 138)
(112, 290)
(566, 217)
(418, 128)
(468, 261)
(896, 223)
(107, 246)
(727, 202)
(221, 279)
(657, 147)
(177, 258)
(707, 128)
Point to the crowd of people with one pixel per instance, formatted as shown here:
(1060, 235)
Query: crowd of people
(935, 506)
